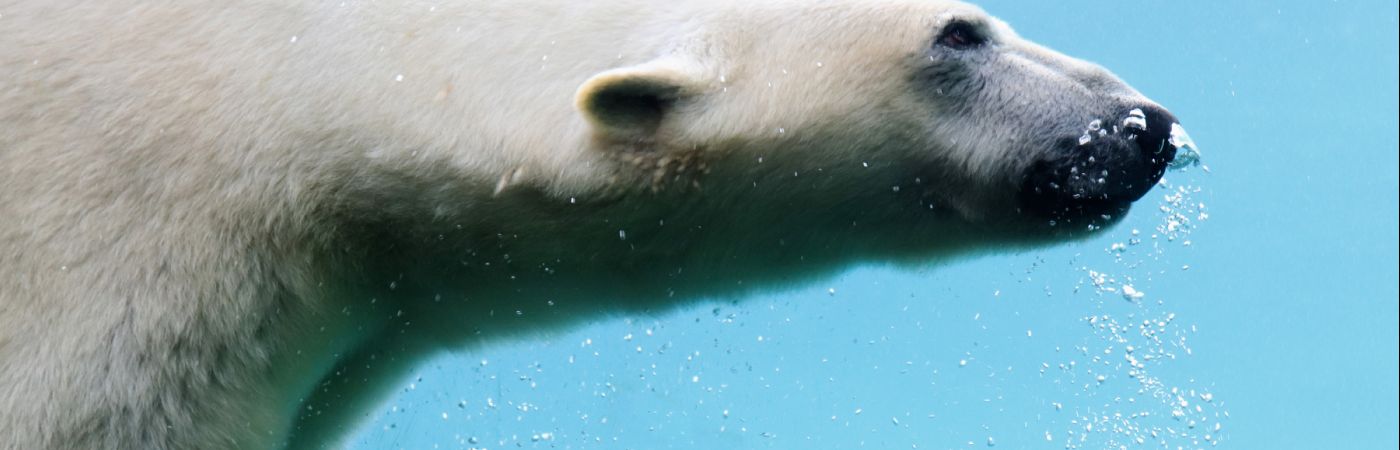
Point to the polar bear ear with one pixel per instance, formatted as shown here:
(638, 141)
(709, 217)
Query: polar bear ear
(633, 101)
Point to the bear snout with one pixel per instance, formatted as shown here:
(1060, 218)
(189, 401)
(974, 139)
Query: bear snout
(1101, 171)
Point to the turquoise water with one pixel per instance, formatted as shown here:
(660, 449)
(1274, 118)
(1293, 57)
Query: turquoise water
(1267, 315)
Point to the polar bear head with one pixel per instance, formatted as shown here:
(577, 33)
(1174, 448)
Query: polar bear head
(226, 202)
(920, 119)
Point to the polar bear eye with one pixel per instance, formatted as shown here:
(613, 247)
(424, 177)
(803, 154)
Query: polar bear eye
(961, 36)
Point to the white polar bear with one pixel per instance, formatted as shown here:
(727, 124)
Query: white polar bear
(231, 224)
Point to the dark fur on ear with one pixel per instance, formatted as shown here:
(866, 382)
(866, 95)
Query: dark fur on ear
(632, 102)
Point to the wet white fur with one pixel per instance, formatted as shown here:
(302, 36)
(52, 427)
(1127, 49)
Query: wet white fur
(209, 210)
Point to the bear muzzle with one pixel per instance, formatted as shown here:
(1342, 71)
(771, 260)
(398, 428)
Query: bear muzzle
(1099, 173)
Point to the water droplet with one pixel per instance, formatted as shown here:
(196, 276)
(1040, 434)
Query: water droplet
(1187, 154)
(1136, 120)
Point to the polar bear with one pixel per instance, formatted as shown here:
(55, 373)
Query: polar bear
(231, 224)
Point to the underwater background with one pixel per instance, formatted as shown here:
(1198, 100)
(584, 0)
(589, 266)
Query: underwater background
(1250, 303)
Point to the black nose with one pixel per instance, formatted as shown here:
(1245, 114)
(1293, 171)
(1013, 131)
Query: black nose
(1100, 172)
